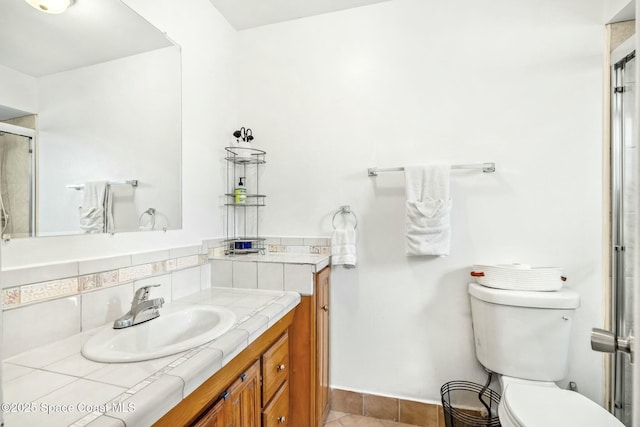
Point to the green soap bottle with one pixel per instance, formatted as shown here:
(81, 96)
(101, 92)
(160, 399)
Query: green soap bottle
(241, 192)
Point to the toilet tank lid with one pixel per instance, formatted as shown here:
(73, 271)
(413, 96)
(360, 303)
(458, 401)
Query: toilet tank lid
(561, 299)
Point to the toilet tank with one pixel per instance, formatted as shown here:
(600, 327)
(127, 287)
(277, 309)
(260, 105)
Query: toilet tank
(523, 334)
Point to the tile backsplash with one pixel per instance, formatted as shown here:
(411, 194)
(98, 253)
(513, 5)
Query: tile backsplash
(46, 303)
(101, 277)
(42, 304)
(298, 245)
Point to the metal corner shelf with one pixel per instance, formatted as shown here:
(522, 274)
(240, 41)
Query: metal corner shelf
(245, 156)
(259, 200)
(243, 225)
(259, 248)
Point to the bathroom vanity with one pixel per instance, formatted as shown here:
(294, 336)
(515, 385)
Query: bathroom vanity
(281, 379)
(251, 390)
(269, 369)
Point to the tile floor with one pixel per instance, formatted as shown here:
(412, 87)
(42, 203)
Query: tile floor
(341, 419)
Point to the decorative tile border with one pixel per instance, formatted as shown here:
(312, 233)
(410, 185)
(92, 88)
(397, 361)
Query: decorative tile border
(129, 274)
(189, 257)
(41, 291)
(46, 290)
(284, 245)
(299, 249)
(188, 261)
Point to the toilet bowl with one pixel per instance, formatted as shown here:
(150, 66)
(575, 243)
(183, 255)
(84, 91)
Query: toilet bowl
(524, 337)
(543, 404)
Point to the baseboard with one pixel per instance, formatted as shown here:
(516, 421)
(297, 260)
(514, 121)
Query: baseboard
(387, 408)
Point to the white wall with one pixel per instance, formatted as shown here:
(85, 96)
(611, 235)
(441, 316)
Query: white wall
(18, 90)
(209, 108)
(408, 81)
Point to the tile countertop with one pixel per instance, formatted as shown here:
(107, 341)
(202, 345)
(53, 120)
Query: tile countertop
(318, 261)
(54, 385)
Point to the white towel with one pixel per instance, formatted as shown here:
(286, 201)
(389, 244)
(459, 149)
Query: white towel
(428, 227)
(343, 247)
(108, 210)
(93, 212)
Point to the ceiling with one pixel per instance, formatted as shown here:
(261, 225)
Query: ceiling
(95, 31)
(244, 14)
(628, 13)
(89, 32)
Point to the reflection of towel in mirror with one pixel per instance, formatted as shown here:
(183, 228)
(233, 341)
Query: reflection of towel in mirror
(108, 210)
(95, 212)
(428, 210)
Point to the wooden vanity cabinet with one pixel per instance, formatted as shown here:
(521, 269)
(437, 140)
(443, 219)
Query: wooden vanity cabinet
(252, 390)
(309, 335)
(281, 379)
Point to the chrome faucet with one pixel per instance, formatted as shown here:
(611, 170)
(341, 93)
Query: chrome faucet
(142, 309)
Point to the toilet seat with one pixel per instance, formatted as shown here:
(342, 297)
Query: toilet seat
(527, 405)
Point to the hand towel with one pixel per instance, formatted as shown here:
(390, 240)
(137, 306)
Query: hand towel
(343, 247)
(108, 210)
(92, 212)
(428, 208)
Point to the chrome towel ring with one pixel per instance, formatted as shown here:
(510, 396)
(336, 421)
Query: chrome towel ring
(344, 210)
(152, 218)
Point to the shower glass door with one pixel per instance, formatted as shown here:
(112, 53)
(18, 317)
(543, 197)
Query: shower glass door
(17, 213)
(624, 220)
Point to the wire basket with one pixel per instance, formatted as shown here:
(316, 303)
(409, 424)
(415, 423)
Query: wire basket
(468, 404)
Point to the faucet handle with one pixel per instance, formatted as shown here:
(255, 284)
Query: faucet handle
(142, 294)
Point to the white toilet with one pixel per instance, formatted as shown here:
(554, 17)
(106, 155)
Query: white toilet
(524, 337)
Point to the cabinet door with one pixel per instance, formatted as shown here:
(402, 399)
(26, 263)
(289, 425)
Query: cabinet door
(322, 336)
(242, 407)
(214, 417)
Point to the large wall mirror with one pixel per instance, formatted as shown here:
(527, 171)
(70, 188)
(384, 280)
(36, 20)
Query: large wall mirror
(90, 117)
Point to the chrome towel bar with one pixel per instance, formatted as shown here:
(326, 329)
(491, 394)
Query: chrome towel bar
(486, 168)
(131, 182)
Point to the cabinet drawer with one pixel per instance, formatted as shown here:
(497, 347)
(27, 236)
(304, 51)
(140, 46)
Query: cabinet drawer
(275, 367)
(276, 414)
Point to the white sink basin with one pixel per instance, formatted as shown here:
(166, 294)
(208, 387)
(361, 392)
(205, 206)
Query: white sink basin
(168, 334)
